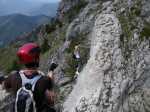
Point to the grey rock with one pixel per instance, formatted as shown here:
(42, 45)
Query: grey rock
(64, 81)
(110, 82)
(83, 24)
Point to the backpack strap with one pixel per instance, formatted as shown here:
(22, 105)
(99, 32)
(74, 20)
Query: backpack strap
(32, 81)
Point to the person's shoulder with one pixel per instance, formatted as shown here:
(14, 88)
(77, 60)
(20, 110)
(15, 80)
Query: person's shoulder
(45, 78)
(13, 75)
(10, 80)
(14, 72)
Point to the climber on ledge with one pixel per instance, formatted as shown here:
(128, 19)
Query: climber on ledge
(76, 56)
(33, 91)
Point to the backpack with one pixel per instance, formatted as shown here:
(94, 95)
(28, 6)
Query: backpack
(24, 99)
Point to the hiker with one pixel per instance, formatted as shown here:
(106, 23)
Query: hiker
(33, 91)
(76, 56)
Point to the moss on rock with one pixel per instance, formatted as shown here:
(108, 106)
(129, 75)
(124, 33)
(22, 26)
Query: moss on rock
(145, 33)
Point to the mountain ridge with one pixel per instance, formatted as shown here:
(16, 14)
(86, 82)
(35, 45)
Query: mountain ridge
(15, 25)
(28, 8)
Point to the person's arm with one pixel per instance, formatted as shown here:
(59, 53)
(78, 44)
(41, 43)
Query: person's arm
(51, 75)
(51, 97)
(52, 67)
(50, 93)
(7, 83)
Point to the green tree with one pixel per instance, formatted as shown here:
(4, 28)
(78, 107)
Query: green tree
(14, 66)
(45, 46)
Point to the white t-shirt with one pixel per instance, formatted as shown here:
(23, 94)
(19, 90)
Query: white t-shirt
(77, 55)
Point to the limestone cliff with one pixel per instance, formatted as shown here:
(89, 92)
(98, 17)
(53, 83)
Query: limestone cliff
(116, 76)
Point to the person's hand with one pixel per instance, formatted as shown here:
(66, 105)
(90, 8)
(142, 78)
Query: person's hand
(51, 75)
(53, 66)
(51, 96)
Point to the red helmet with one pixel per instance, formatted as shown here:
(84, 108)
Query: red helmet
(29, 53)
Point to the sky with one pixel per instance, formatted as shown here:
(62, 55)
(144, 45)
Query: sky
(47, 0)
(21, 6)
(35, 0)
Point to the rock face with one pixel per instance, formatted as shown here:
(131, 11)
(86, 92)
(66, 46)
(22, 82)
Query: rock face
(5, 101)
(116, 77)
(94, 83)
(65, 6)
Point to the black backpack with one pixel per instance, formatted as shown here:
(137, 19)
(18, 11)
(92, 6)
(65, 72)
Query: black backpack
(24, 99)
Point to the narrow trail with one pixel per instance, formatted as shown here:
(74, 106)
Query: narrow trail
(94, 81)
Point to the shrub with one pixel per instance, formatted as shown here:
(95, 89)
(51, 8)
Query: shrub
(52, 25)
(45, 46)
(145, 33)
(13, 66)
(71, 68)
